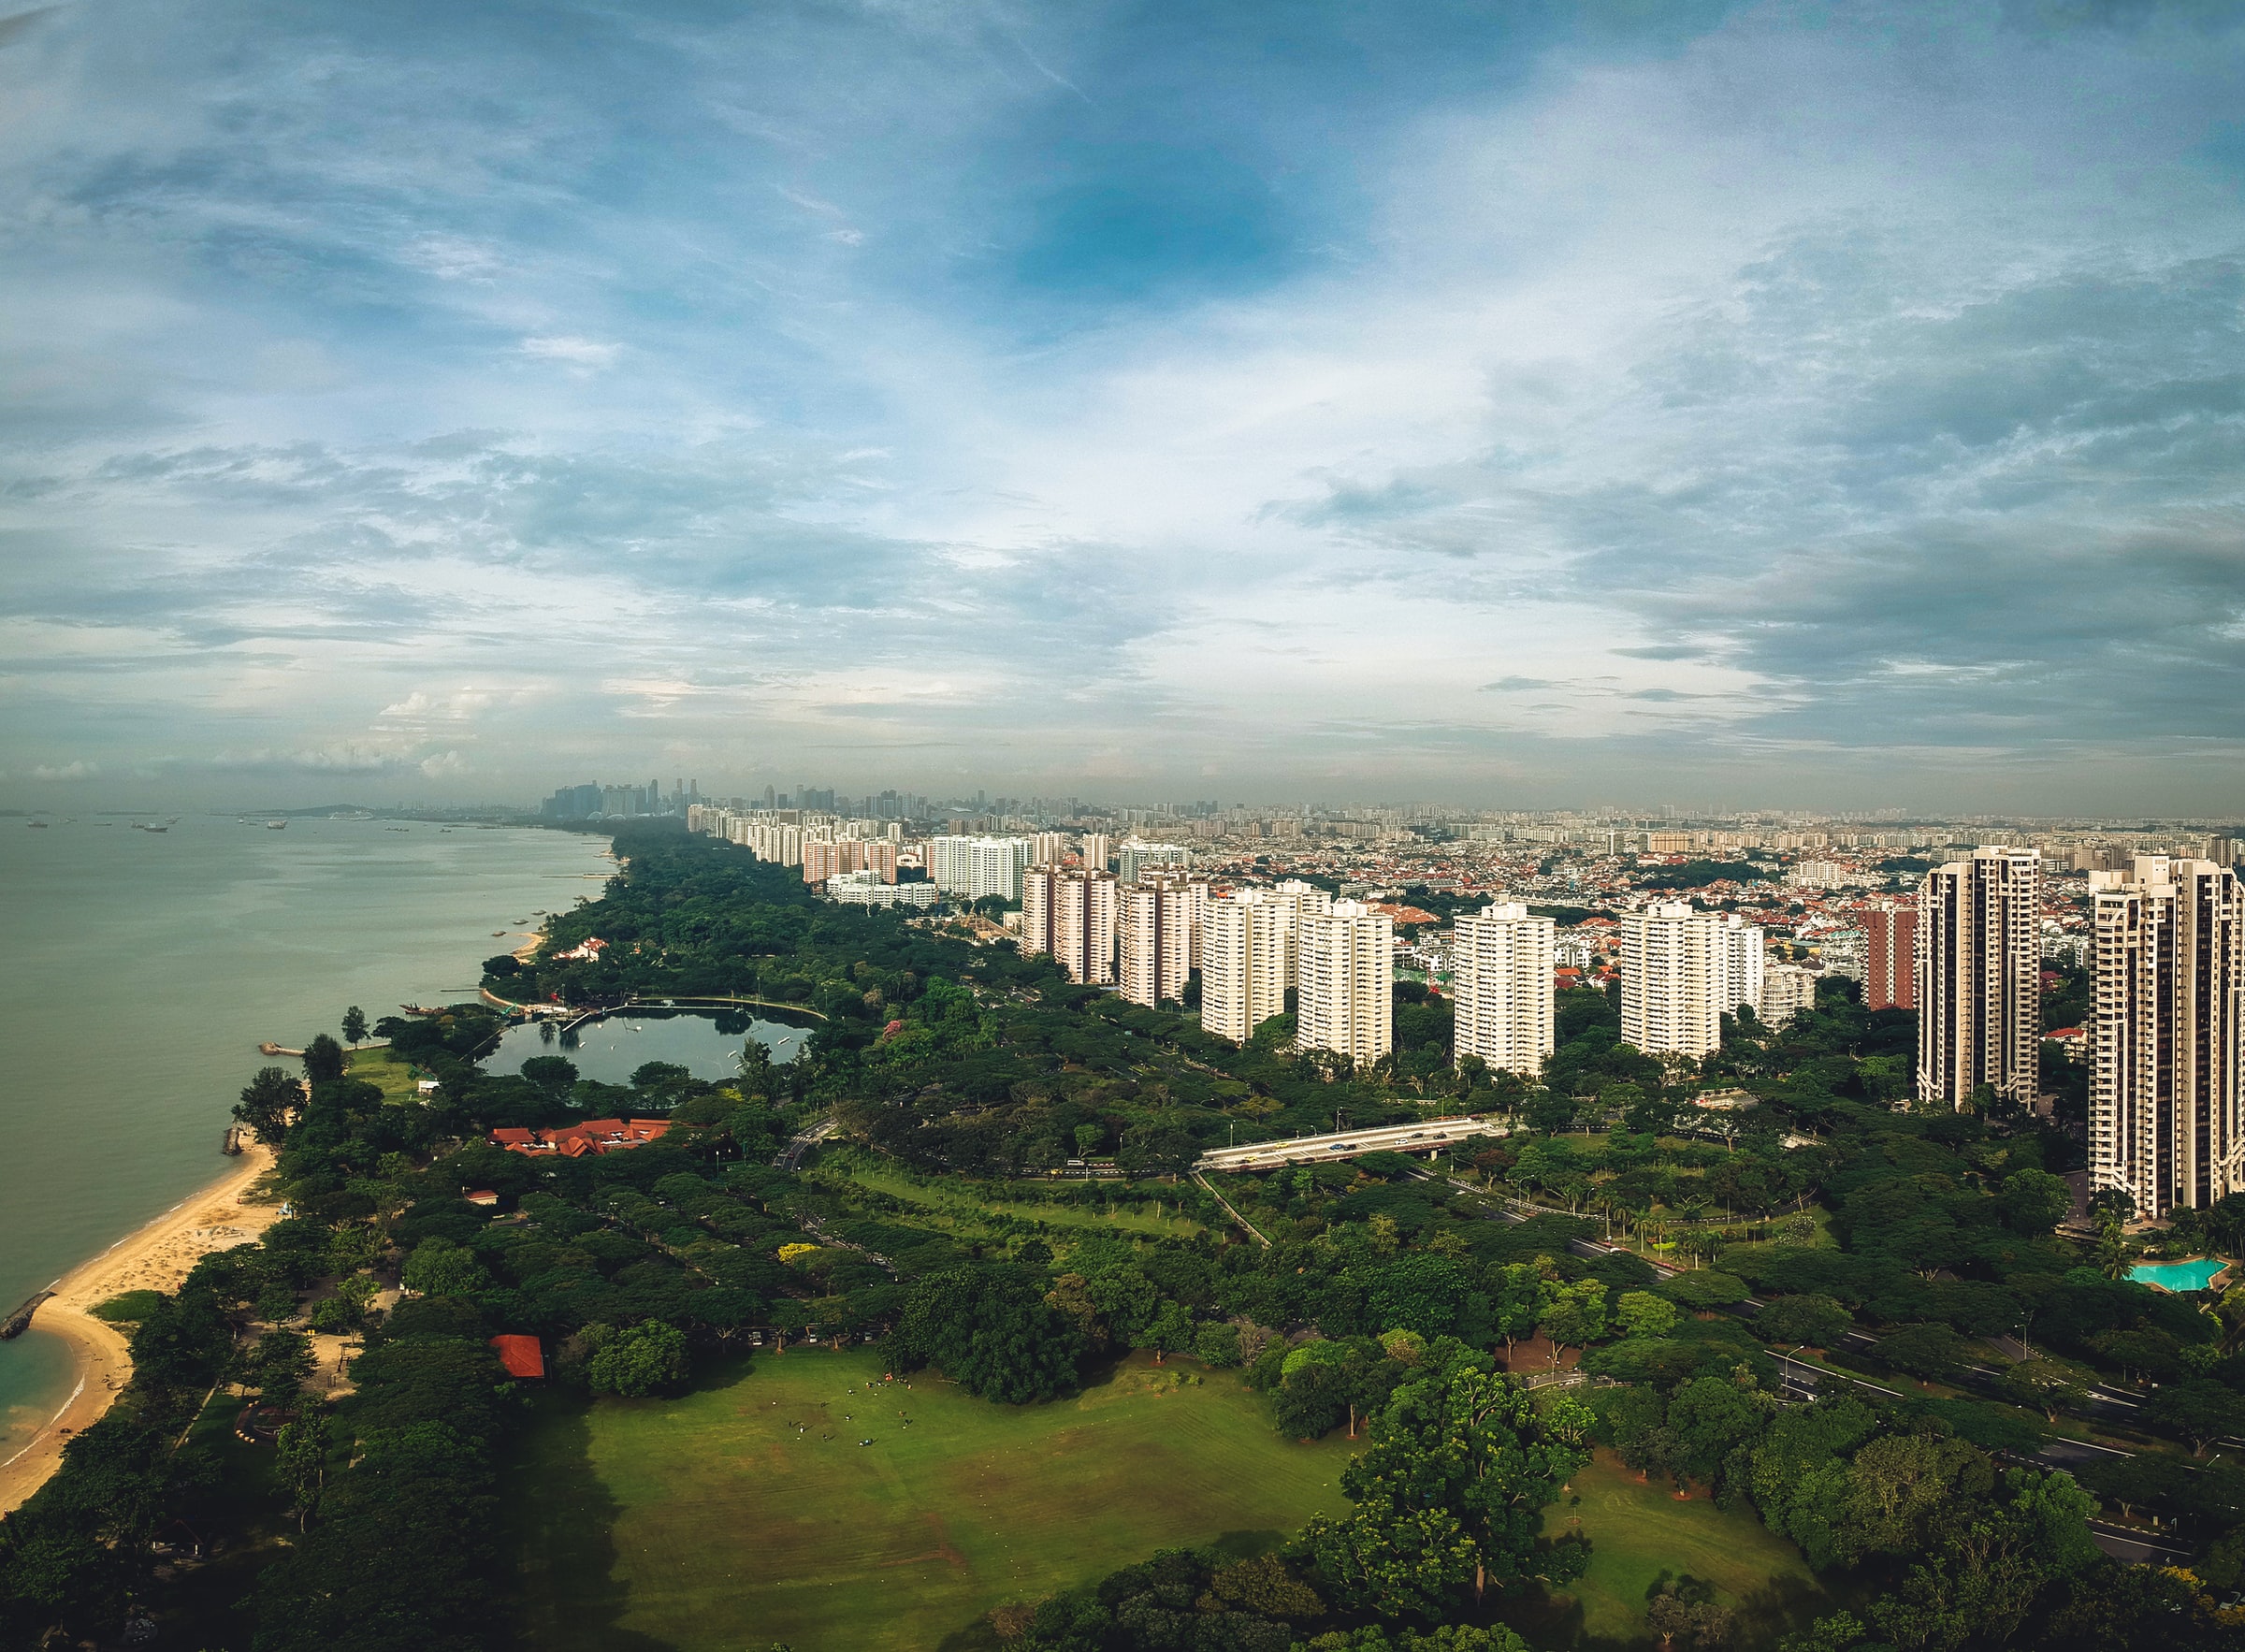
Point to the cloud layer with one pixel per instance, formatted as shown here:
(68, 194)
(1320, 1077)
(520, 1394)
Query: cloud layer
(1820, 405)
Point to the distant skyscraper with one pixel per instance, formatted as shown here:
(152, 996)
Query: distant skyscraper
(2164, 1044)
(1069, 912)
(1502, 976)
(1890, 983)
(1978, 978)
(1139, 856)
(1246, 944)
(1156, 938)
(1345, 982)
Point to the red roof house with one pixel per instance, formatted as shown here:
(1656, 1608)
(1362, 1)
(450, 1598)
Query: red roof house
(521, 1356)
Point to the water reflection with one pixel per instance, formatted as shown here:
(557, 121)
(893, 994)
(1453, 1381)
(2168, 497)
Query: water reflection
(706, 1043)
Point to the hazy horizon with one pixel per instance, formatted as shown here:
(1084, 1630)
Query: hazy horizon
(1758, 406)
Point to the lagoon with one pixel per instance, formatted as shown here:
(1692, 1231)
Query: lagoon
(708, 1044)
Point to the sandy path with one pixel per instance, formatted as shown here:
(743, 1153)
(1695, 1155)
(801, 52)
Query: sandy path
(156, 1258)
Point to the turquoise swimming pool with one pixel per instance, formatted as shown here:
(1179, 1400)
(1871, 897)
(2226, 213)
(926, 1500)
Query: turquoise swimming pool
(2178, 1276)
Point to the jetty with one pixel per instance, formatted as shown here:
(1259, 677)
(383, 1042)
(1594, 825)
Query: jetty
(16, 1323)
(270, 1047)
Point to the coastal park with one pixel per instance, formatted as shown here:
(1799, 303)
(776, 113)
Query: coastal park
(748, 1512)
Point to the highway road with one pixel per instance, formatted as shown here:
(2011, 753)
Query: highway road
(1424, 1137)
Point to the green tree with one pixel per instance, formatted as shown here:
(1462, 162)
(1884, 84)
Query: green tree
(1451, 1486)
(557, 1075)
(2201, 1411)
(1170, 1332)
(1644, 1315)
(439, 1267)
(277, 1367)
(300, 1461)
(1577, 1314)
(354, 1025)
(2045, 1385)
(1518, 1295)
(1217, 1345)
(1816, 1320)
(323, 1060)
(991, 1331)
(2035, 1201)
(635, 1361)
(266, 1103)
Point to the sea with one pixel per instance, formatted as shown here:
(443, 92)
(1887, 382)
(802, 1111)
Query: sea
(145, 968)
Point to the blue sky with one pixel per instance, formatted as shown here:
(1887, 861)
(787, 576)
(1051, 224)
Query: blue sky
(1513, 405)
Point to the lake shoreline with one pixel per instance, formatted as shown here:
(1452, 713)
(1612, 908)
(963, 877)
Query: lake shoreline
(156, 1256)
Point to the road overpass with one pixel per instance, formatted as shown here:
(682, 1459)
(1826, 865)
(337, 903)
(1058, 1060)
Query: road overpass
(1424, 1137)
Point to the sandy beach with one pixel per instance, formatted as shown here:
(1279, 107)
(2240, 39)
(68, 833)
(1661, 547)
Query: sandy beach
(155, 1258)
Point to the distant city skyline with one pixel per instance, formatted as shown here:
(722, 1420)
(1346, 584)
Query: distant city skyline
(1523, 405)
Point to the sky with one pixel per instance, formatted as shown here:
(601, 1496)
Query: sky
(1509, 404)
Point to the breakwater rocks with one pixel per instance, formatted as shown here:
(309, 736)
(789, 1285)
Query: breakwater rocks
(16, 1323)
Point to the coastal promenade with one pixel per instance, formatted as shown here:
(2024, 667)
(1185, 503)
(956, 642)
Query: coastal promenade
(156, 1258)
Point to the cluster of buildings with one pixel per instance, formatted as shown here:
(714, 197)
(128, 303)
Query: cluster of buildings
(593, 1137)
(2162, 1041)
(1925, 919)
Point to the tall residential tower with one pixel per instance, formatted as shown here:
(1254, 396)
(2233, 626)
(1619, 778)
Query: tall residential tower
(1978, 978)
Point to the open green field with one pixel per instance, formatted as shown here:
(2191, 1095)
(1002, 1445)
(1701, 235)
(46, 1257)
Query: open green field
(748, 1513)
(379, 1066)
(1137, 1217)
(1639, 1534)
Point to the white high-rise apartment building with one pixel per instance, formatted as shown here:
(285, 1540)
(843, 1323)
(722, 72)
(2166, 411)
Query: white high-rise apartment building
(997, 866)
(1305, 900)
(1070, 913)
(1979, 977)
(1740, 953)
(1156, 936)
(1246, 943)
(2167, 1062)
(1098, 849)
(1345, 978)
(951, 862)
(1503, 980)
(1048, 849)
(1674, 975)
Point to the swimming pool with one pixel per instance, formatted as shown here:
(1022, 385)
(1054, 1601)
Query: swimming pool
(2178, 1276)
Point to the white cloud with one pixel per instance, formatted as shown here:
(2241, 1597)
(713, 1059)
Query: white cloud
(583, 353)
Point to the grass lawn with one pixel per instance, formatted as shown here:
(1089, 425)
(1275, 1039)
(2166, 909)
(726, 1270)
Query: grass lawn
(395, 1075)
(748, 1512)
(966, 1207)
(1639, 1534)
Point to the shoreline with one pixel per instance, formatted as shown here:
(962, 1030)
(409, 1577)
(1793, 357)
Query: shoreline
(155, 1256)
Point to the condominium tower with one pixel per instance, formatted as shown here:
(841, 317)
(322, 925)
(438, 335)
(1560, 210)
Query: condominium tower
(1891, 936)
(1978, 978)
(1155, 933)
(1682, 971)
(1503, 980)
(2165, 1122)
(1345, 977)
(1069, 912)
(1246, 950)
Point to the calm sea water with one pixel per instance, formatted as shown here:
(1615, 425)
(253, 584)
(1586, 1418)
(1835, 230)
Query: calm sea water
(146, 967)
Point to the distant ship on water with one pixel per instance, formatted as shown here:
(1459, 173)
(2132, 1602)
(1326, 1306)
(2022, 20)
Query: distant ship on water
(276, 825)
